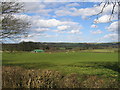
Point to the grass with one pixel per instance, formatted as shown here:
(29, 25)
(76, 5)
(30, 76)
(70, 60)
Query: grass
(17, 77)
(101, 50)
(102, 67)
(71, 62)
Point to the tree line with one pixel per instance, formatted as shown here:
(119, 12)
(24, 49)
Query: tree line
(30, 46)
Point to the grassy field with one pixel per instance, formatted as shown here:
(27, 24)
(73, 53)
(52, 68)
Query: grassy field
(93, 69)
(66, 62)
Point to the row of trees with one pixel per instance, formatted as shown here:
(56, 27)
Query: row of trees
(30, 46)
(24, 46)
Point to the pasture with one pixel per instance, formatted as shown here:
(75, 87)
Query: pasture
(61, 69)
(83, 63)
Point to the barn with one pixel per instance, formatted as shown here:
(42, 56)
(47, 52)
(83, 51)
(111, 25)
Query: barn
(38, 50)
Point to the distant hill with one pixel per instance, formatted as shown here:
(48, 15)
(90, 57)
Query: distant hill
(29, 46)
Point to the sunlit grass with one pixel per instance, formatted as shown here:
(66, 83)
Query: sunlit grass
(71, 62)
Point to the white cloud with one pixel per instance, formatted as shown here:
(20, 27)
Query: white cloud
(61, 26)
(56, 0)
(27, 39)
(23, 17)
(84, 12)
(75, 31)
(33, 6)
(77, 12)
(35, 37)
(42, 25)
(96, 32)
(35, 34)
(73, 38)
(41, 29)
(37, 7)
(94, 26)
(113, 26)
(112, 36)
(46, 23)
(62, 12)
(73, 4)
(103, 19)
(64, 27)
(25, 0)
(50, 36)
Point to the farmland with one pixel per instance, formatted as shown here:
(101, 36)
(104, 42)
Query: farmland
(100, 65)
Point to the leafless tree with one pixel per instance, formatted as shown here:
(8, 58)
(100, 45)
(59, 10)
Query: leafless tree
(114, 3)
(12, 27)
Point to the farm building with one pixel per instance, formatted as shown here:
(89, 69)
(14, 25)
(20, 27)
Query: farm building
(38, 50)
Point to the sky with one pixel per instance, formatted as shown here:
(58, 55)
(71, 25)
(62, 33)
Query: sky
(69, 22)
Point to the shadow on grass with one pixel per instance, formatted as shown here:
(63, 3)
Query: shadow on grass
(115, 66)
(41, 65)
(6, 61)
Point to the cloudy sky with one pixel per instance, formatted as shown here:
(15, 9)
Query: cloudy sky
(69, 22)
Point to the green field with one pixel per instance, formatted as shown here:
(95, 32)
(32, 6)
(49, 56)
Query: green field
(85, 69)
(83, 63)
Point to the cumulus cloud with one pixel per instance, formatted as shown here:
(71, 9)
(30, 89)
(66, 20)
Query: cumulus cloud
(50, 36)
(105, 16)
(41, 29)
(64, 27)
(60, 26)
(75, 31)
(96, 32)
(60, 12)
(73, 4)
(112, 36)
(33, 6)
(113, 26)
(94, 26)
(22, 17)
(71, 29)
(27, 39)
(55, 0)
(37, 7)
(35, 37)
(42, 25)
(82, 11)
(32, 37)
(103, 19)
(46, 23)
(35, 34)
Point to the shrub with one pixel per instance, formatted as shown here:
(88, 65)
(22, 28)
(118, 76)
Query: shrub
(17, 77)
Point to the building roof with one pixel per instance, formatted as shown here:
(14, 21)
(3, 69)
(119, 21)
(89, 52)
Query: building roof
(38, 50)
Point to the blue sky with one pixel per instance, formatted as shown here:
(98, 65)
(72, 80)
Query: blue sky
(69, 22)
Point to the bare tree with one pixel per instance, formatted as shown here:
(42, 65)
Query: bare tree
(12, 27)
(114, 3)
